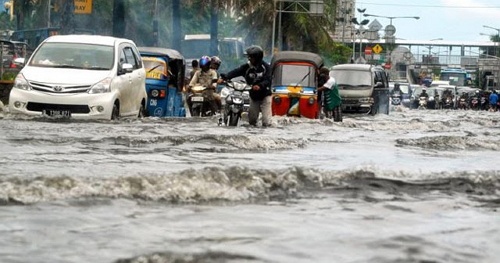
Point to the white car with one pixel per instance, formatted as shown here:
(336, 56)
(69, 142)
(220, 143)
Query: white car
(81, 77)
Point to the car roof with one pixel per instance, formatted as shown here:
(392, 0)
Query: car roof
(87, 39)
(292, 56)
(355, 67)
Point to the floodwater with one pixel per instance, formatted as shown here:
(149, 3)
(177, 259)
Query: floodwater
(413, 186)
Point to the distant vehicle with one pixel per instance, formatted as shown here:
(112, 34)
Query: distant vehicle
(230, 49)
(363, 88)
(33, 37)
(81, 77)
(456, 77)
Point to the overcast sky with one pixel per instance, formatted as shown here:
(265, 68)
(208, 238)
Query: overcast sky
(454, 20)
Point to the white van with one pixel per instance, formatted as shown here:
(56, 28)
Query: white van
(362, 87)
(81, 77)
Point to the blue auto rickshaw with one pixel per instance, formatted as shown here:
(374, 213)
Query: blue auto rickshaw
(165, 72)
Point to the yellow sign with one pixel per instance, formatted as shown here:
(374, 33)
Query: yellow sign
(377, 49)
(83, 6)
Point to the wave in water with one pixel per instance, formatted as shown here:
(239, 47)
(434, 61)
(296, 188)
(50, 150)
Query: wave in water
(239, 184)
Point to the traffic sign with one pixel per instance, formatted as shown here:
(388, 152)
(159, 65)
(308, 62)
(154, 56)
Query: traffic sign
(368, 50)
(377, 49)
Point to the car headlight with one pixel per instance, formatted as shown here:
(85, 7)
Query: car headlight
(21, 82)
(102, 86)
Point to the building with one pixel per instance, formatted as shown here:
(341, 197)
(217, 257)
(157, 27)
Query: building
(344, 28)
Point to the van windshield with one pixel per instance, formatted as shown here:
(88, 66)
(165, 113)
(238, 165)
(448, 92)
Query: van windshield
(74, 55)
(353, 78)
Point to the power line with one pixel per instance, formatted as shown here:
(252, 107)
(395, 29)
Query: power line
(433, 6)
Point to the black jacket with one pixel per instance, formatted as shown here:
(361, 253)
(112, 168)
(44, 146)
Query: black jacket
(260, 75)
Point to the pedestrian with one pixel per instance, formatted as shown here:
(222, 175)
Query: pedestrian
(257, 74)
(330, 93)
(493, 100)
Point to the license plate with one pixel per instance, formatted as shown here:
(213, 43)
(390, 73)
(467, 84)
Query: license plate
(57, 113)
(197, 99)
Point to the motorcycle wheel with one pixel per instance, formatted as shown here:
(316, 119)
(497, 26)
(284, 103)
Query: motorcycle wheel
(196, 112)
(337, 114)
(233, 119)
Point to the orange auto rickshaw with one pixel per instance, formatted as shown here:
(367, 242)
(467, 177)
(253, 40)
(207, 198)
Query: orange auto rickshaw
(294, 84)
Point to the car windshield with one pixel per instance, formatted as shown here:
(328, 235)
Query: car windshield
(353, 78)
(296, 75)
(74, 55)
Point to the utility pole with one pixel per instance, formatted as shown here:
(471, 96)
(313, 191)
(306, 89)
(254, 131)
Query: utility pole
(214, 27)
(118, 18)
(176, 25)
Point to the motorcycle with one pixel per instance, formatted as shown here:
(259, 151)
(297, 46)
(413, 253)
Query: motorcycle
(448, 103)
(199, 104)
(236, 99)
(474, 103)
(422, 102)
(462, 104)
(396, 98)
(484, 103)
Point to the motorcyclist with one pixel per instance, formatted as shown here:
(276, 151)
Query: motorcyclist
(205, 77)
(215, 63)
(396, 89)
(257, 73)
(424, 94)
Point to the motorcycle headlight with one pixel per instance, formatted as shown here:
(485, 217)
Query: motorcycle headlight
(239, 85)
(102, 86)
(21, 82)
(224, 92)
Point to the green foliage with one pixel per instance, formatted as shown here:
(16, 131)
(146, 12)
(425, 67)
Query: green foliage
(251, 19)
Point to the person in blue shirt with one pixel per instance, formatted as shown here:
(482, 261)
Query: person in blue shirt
(493, 101)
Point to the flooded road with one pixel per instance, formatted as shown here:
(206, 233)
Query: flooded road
(414, 186)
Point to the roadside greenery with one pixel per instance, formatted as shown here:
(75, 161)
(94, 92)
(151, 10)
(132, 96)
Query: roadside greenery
(250, 19)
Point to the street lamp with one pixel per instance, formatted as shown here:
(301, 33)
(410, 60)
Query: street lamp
(393, 17)
(495, 38)
(390, 30)
(430, 47)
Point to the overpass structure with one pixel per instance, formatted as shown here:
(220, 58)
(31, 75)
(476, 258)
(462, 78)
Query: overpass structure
(428, 57)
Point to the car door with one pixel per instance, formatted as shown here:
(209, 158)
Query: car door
(130, 81)
(138, 78)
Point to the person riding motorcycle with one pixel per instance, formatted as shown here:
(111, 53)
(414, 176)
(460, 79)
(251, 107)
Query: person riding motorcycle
(215, 63)
(424, 94)
(207, 78)
(257, 73)
(396, 89)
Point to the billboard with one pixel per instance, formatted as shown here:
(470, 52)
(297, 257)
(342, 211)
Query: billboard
(83, 6)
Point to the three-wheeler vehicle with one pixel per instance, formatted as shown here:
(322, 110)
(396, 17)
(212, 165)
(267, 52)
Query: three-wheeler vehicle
(165, 72)
(294, 84)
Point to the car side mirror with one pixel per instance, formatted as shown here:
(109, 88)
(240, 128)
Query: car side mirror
(126, 68)
(19, 61)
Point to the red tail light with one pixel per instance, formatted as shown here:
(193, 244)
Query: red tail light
(163, 94)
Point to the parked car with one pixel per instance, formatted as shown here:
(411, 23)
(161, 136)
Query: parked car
(81, 77)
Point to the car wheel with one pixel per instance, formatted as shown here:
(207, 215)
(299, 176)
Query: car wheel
(142, 111)
(115, 114)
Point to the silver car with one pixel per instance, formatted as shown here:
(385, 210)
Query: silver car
(81, 77)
